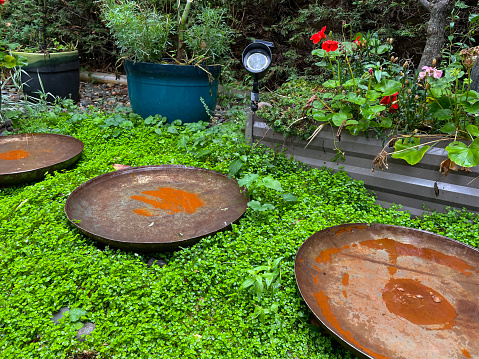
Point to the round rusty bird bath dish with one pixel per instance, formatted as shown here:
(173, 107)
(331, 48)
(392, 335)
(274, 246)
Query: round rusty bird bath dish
(155, 208)
(392, 292)
(27, 157)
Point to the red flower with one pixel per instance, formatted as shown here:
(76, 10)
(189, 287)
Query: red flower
(2, 2)
(330, 45)
(316, 37)
(357, 42)
(391, 99)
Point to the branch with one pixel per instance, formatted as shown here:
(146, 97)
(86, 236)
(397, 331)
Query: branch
(426, 4)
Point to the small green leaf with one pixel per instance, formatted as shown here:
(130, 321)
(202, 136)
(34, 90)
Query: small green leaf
(257, 206)
(248, 180)
(339, 118)
(76, 313)
(288, 197)
(471, 107)
(276, 262)
(260, 268)
(77, 325)
(372, 95)
(235, 166)
(331, 83)
(247, 283)
(388, 87)
(270, 182)
(358, 100)
(442, 114)
(351, 82)
(410, 150)
(448, 128)
(386, 122)
(473, 130)
(463, 155)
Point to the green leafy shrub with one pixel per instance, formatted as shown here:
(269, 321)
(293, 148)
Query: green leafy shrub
(143, 32)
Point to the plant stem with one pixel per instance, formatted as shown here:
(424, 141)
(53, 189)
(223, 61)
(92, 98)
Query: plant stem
(43, 28)
(181, 30)
(351, 70)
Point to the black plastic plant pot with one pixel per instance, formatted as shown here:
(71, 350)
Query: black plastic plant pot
(54, 74)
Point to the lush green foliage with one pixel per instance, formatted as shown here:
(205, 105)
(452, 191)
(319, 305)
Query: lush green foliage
(69, 23)
(143, 32)
(200, 305)
(369, 90)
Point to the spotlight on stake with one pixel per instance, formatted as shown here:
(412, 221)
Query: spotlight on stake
(256, 59)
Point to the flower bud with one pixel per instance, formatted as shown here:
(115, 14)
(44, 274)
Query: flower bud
(433, 62)
(392, 58)
(391, 41)
(402, 73)
(406, 82)
(409, 91)
(416, 97)
(406, 64)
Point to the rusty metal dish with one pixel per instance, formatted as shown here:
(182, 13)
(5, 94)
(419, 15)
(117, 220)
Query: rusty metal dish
(27, 157)
(392, 292)
(155, 208)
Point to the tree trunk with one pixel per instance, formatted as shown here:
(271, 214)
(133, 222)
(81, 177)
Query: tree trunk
(439, 12)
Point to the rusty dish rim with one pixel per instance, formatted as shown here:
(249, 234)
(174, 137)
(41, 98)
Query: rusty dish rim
(106, 176)
(70, 138)
(347, 344)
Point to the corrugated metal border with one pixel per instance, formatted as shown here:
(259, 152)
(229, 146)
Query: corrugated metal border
(410, 186)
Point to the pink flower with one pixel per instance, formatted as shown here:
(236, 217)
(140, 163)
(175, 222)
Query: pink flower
(429, 71)
(316, 37)
(330, 45)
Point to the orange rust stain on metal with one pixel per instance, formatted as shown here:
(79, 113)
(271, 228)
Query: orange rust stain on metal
(325, 256)
(14, 155)
(413, 301)
(48, 151)
(301, 260)
(392, 270)
(315, 278)
(465, 353)
(349, 229)
(171, 200)
(345, 294)
(345, 279)
(328, 315)
(396, 249)
(143, 212)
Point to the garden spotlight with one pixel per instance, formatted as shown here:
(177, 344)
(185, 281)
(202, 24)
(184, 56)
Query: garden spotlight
(256, 59)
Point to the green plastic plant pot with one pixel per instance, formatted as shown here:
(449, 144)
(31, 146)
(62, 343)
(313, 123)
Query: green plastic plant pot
(172, 91)
(56, 74)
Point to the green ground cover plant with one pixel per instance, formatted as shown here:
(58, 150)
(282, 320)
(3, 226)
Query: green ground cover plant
(204, 302)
